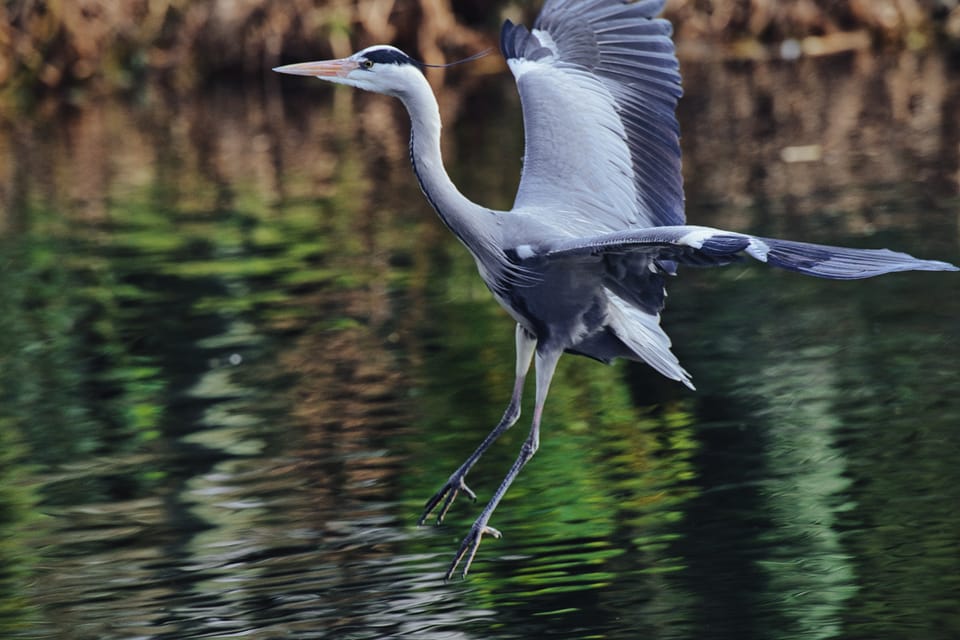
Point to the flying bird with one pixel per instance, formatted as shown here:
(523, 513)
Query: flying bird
(598, 222)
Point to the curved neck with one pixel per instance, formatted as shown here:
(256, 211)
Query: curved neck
(453, 207)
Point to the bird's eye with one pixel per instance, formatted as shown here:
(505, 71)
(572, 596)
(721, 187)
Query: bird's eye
(366, 64)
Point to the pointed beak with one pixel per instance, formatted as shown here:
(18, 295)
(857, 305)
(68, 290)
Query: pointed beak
(322, 69)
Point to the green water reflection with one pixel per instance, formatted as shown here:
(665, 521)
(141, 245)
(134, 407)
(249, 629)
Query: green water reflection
(237, 352)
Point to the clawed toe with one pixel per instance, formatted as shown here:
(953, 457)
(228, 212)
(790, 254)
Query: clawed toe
(468, 548)
(466, 491)
(454, 486)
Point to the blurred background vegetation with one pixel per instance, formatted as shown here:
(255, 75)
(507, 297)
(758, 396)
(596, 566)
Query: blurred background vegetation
(170, 210)
(52, 44)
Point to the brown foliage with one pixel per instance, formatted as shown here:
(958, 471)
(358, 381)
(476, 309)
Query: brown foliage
(824, 26)
(63, 42)
(773, 20)
(57, 43)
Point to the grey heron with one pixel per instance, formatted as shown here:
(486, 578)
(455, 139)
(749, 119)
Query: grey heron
(598, 222)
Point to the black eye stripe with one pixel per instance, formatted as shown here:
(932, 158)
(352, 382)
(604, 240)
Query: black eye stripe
(389, 56)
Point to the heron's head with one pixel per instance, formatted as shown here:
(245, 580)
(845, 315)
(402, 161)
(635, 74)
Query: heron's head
(381, 68)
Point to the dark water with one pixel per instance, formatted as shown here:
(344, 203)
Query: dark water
(237, 353)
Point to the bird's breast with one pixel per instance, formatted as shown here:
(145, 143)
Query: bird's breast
(555, 303)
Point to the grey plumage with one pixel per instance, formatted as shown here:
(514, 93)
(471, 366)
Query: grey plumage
(598, 222)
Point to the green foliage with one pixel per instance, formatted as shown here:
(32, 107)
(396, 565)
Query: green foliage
(18, 532)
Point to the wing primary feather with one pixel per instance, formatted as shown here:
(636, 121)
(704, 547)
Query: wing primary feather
(841, 263)
(701, 246)
(516, 42)
(599, 82)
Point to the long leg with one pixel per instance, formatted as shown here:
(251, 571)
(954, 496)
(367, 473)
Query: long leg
(526, 344)
(546, 365)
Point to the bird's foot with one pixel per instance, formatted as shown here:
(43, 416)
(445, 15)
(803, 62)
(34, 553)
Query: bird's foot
(468, 548)
(447, 494)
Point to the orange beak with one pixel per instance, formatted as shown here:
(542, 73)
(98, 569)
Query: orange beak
(322, 69)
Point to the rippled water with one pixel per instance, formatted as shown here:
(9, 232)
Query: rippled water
(238, 353)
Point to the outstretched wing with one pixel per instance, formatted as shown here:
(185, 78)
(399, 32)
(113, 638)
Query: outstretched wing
(599, 82)
(636, 260)
(708, 247)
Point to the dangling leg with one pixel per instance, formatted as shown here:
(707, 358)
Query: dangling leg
(526, 344)
(546, 365)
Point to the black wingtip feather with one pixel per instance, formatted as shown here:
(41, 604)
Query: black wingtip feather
(517, 42)
(842, 263)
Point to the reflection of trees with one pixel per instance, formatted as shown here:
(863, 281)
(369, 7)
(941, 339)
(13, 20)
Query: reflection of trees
(810, 574)
(591, 518)
(864, 123)
(194, 273)
(819, 137)
(168, 198)
(17, 558)
(827, 503)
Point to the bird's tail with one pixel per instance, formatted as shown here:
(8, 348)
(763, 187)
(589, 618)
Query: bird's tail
(641, 332)
(837, 263)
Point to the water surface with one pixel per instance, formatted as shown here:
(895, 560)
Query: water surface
(238, 352)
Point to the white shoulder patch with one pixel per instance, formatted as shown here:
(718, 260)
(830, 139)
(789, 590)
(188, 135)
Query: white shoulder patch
(525, 251)
(696, 237)
(519, 66)
(758, 249)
